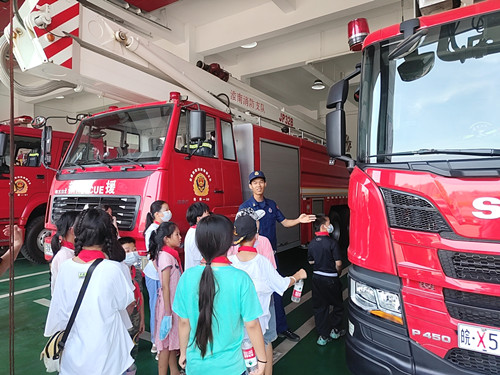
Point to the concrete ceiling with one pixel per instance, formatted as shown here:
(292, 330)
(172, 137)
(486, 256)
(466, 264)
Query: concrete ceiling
(298, 41)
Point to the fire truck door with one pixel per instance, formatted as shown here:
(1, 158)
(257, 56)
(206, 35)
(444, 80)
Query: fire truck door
(196, 178)
(30, 178)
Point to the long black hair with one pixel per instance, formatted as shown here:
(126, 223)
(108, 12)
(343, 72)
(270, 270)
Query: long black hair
(214, 236)
(150, 217)
(63, 225)
(95, 227)
(156, 240)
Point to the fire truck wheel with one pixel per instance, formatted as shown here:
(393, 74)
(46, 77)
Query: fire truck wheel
(33, 243)
(344, 227)
(337, 227)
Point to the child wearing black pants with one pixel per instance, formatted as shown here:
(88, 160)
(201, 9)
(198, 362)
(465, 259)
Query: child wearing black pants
(324, 254)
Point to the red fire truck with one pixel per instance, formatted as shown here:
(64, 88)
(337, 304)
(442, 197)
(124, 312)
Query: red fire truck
(129, 157)
(32, 184)
(424, 196)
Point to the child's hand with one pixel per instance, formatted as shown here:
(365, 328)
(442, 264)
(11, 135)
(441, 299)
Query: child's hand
(301, 274)
(142, 326)
(18, 236)
(182, 360)
(260, 369)
(166, 325)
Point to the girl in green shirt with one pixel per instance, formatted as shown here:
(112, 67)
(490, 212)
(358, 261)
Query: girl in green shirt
(214, 302)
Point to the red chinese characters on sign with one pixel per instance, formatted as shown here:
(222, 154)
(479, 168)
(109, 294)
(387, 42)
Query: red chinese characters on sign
(247, 101)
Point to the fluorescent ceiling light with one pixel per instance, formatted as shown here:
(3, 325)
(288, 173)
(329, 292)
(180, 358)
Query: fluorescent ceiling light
(249, 45)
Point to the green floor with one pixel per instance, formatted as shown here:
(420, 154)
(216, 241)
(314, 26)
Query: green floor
(30, 311)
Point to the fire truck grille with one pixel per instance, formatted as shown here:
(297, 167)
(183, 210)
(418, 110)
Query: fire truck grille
(467, 266)
(478, 363)
(472, 307)
(124, 208)
(408, 211)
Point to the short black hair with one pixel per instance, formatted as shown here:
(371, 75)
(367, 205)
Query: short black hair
(124, 240)
(320, 220)
(196, 210)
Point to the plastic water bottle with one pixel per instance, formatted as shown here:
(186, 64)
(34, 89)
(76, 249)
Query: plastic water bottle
(297, 291)
(249, 356)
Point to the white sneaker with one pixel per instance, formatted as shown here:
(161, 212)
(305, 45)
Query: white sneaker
(156, 356)
(153, 349)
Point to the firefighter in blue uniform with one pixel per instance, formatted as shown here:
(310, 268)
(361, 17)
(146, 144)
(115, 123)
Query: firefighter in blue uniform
(267, 228)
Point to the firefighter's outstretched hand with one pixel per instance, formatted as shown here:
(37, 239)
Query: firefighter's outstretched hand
(18, 236)
(305, 218)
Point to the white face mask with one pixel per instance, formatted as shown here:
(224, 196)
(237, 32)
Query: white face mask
(131, 258)
(167, 215)
(329, 228)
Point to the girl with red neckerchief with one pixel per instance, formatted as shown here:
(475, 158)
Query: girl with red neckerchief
(102, 314)
(62, 244)
(214, 302)
(159, 212)
(166, 259)
(264, 276)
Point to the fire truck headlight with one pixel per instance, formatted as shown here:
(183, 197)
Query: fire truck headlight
(389, 301)
(363, 295)
(382, 303)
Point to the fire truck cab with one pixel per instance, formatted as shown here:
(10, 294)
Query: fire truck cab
(32, 184)
(423, 193)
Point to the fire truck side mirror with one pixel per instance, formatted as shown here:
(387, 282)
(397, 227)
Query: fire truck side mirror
(38, 122)
(46, 145)
(197, 125)
(335, 133)
(3, 144)
(337, 95)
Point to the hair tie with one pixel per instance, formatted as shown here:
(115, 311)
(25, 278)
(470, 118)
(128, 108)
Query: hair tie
(208, 263)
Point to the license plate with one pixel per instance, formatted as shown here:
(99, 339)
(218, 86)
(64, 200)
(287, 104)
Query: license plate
(479, 339)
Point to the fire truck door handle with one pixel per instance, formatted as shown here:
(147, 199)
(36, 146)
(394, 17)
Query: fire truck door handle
(40, 176)
(218, 191)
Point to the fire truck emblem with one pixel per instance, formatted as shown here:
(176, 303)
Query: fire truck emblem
(21, 185)
(200, 179)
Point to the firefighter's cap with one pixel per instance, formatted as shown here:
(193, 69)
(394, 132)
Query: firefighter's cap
(256, 174)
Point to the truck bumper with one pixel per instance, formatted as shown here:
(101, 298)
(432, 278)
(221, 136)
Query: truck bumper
(377, 347)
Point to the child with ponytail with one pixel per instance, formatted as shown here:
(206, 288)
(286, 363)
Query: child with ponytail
(159, 212)
(63, 244)
(168, 264)
(214, 302)
(89, 349)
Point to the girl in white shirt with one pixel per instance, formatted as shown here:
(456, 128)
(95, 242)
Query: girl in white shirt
(264, 276)
(159, 212)
(63, 244)
(98, 342)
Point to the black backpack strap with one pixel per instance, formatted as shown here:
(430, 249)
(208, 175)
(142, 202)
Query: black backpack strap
(78, 303)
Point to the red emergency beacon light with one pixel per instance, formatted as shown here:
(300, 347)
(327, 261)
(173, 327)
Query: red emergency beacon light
(357, 30)
(174, 95)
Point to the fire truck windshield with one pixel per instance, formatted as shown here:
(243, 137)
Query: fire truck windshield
(131, 136)
(441, 94)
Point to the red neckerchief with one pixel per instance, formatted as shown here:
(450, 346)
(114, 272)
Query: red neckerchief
(157, 222)
(321, 234)
(250, 249)
(174, 253)
(88, 255)
(193, 226)
(222, 259)
(137, 289)
(68, 244)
